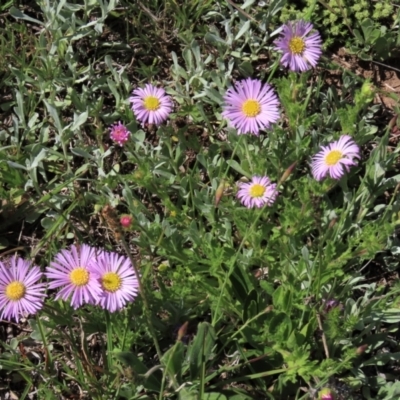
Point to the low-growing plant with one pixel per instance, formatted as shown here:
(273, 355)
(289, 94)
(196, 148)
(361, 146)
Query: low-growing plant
(367, 28)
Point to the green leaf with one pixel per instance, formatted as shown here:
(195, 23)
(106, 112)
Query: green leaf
(235, 165)
(173, 360)
(214, 95)
(243, 29)
(214, 396)
(185, 394)
(280, 326)
(246, 69)
(283, 298)
(201, 348)
(382, 359)
(131, 360)
(17, 14)
(79, 120)
(367, 26)
(54, 114)
(251, 306)
(358, 36)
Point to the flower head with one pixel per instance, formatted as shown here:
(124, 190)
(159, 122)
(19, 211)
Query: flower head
(119, 133)
(118, 280)
(258, 192)
(151, 104)
(335, 159)
(70, 270)
(250, 106)
(20, 292)
(301, 50)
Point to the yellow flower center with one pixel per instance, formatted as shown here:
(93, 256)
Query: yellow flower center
(151, 103)
(111, 281)
(257, 190)
(297, 45)
(15, 291)
(333, 157)
(79, 276)
(251, 108)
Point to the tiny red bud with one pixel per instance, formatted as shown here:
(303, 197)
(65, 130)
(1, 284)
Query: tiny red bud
(332, 223)
(126, 221)
(360, 350)
(326, 394)
(182, 330)
(287, 173)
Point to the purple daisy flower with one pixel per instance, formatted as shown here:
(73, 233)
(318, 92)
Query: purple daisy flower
(20, 292)
(118, 280)
(301, 50)
(258, 192)
(119, 133)
(335, 159)
(151, 104)
(70, 270)
(250, 106)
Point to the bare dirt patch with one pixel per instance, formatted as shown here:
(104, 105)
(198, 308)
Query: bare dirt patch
(385, 76)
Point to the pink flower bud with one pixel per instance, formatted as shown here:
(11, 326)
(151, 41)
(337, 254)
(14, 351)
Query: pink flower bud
(182, 330)
(360, 350)
(126, 221)
(326, 394)
(287, 173)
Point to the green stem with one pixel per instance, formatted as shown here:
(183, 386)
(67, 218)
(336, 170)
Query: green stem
(233, 262)
(144, 298)
(248, 154)
(166, 371)
(49, 361)
(125, 331)
(274, 68)
(109, 339)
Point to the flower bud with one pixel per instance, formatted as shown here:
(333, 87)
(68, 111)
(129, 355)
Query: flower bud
(219, 192)
(332, 223)
(182, 330)
(126, 221)
(326, 394)
(287, 173)
(361, 349)
(269, 308)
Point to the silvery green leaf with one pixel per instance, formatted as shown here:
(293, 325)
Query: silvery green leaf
(16, 165)
(211, 38)
(243, 29)
(79, 120)
(38, 158)
(54, 114)
(235, 165)
(81, 153)
(17, 14)
(247, 3)
(214, 95)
